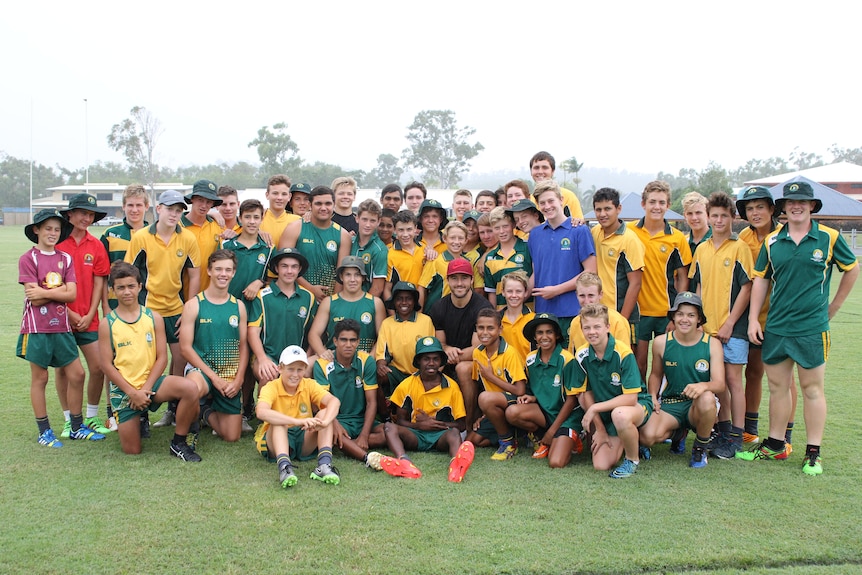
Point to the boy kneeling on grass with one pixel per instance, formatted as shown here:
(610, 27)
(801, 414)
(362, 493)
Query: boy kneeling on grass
(133, 351)
(430, 416)
(289, 427)
(613, 397)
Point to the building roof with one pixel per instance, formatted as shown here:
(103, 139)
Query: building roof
(632, 210)
(835, 204)
(837, 173)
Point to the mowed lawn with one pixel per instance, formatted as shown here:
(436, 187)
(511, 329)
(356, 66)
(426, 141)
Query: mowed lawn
(86, 508)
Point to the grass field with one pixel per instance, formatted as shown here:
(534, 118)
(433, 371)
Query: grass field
(86, 508)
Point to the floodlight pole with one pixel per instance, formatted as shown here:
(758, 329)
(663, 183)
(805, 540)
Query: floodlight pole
(87, 145)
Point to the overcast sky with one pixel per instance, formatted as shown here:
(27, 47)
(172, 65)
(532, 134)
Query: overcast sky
(641, 86)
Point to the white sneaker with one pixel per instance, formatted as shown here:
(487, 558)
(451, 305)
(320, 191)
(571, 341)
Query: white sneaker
(168, 418)
(246, 428)
(112, 423)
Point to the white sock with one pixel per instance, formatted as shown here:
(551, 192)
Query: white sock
(67, 414)
(92, 410)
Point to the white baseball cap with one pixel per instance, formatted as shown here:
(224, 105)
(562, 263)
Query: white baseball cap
(292, 354)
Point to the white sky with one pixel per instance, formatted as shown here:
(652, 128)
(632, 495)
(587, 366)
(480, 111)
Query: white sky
(638, 86)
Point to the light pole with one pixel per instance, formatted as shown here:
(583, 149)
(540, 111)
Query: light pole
(87, 145)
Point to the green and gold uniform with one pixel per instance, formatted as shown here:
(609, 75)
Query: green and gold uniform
(616, 256)
(615, 373)
(506, 364)
(403, 266)
(375, 254)
(683, 365)
(749, 236)
(362, 311)
(116, 240)
(349, 384)
(498, 264)
(217, 344)
(208, 236)
(250, 265)
(282, 320)
(513, 332)
(298, 405)
(546, 381)
(443, 402)
(721, 274)
(434, 278)
(320, 248)
(620, 329)
(396, 344)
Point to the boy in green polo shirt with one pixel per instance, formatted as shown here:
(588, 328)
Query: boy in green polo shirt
(794, 265)
(510, 254)
(251, 251)
(614, 400)
(367, 245)
(351, 377)
(546, 410)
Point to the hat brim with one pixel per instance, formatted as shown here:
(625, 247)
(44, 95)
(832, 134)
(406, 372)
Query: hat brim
(674, 309)
(740, 206)
(303, 263)
(779, 203)
(418, 355)
(390, 303)
(65, 229)
(217, 201)
(98, 213)
(532, 325)
(340, 269)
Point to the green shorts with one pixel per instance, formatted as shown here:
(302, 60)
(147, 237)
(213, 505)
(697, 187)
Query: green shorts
(171, 328)
(220, 403)
(83, 338)
(427, 439)
(353, 426)
(678, 408)
(808, 351)
(47, 349)
(573, 421)
(644, 400)
(295, 441)
(120, 403)
(649, 326)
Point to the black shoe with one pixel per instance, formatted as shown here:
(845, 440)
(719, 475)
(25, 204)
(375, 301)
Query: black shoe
(184, 452)
(145, 426)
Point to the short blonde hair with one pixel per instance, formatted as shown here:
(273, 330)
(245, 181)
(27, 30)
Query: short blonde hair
(587, 279)
(519, 276)
(497, 214)
(455, 224)
(595, 311)
(136, 191)
(691, 199)
(545, 186)
(656, 186)
(343, 181)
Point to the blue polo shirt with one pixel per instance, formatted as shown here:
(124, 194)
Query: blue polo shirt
(558, 255)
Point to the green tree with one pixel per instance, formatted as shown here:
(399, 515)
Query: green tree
(713, 179)
(103, 172)
(387, 172)
(322, 174)
(277, 151)
(574, 167)
(15, 181)
(852, 155)
(804, 160)
(755, 169)
(136, 138)
(440, 147)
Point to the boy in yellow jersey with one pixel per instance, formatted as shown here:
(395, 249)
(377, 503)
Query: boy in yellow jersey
(405, 260)
(291, 429)
(430, 416)
(666, 260)
(589, 290)
(516, 314)
(134, 355)
(499, 369)
(619, 258)
(721, 271)
(276, 217)
(396, 342)
(197, 220)
(432, 217)
(542, 167)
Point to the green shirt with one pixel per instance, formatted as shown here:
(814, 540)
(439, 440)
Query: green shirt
(362, 311)
(217, 335)
(348, 383)
(320, 248)
(615, 373)
(497, 265)
(799, 278)
(282, 320)
(545, 381)
(375, 254)
(685, 364)
(250, 264)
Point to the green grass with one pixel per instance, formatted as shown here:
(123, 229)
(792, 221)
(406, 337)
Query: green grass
(86, 508)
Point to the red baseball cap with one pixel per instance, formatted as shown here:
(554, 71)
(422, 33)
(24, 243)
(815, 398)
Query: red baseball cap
(459, 266)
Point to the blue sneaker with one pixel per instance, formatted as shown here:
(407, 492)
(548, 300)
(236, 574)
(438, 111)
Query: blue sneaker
(48, 439)
(626, 469)
(698, 458)
(85, 432)
(677, 441)
(644, 453)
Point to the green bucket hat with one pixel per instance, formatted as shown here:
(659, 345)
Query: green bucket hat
(84, 202)
(43, 215)
(523, 205)
(404, 287)
(539, 319)
(434, 205)
(752, 193)
(205, 189)
(428, 345)
(798, 191)
(689, 298)
(287, 253)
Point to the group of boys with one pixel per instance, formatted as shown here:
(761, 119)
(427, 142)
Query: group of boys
(534, 323)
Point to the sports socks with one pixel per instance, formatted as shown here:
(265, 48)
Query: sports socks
(67, 415)
(206, 411)
(788, 433)
(178, 439)
(751, 419)
(324, 456)
(43, 424)
(774, 444)
(77, 421)
(92, 410)
(701, 442)
(812, 450)
(723, 427)
(283, 460)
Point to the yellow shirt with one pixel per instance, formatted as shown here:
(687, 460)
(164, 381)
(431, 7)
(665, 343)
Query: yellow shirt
(274, 226)
(162, 266)
(134, 346)
(616, 256)
(513, 332)
(664, 253)
(569, 200)
(620, 329)
(721, 272)
(506, 363)
(443, 402)
(749, 236)
(299, 405)
(404, 266)
(208, 237)
(396, 342)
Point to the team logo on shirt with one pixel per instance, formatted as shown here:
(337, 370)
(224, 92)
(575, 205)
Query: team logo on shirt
(260, 259)
(436, 403)
(357, 383)
(612, 252)
(88, 259)
(180, 253)
(366, 258)
(43, 310)
(727, 262)
(519, 259)
(663, 249)
(149, 337)
(531, 359)
(557, 380)
(365, 318)
(565, 244)
(615, 379)
(329, 367)
(701, 366)
(52, 280)
(303, 408)
(233, 321)
(817, 256)
(331, 246)
(303, 311)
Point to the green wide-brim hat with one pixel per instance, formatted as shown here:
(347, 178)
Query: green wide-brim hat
(287, 253)
(523, 205)
(434, 205)
(752, 193)
(84, 202)
(801, 191)
(204, 189)
(539, 319)
(428, 345)
(404, 287)
(43, 215)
